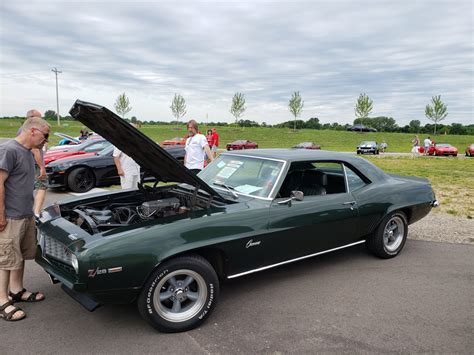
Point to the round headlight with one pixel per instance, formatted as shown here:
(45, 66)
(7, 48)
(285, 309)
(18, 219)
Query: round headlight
(75, 263)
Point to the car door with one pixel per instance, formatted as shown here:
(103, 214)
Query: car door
(316, 223)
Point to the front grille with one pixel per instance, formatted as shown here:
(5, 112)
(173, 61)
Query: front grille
(57, 250)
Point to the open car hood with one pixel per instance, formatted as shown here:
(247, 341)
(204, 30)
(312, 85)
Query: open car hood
(136, 145)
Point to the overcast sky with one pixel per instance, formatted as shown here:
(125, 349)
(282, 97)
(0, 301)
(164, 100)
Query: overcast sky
(400, 53)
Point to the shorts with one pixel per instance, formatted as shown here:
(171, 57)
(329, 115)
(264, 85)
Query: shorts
(129, 181)
(39, 184)
(214, 149)
(17, 243)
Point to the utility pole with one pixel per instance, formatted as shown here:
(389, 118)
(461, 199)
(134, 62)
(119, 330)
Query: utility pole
(55, 71)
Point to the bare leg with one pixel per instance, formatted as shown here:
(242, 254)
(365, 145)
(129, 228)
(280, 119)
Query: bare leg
(16, 283)
(4, 280)
(39, 200)
(16, 279)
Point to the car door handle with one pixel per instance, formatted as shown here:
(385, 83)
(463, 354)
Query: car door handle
(350, 203)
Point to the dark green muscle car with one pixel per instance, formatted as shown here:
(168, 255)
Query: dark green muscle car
(166, 247)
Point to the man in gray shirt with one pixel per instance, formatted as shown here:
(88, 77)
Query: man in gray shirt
(17, 227)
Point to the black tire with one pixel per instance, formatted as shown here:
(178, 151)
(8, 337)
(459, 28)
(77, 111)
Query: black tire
(167, 289)
(81, 180)
(384, 244)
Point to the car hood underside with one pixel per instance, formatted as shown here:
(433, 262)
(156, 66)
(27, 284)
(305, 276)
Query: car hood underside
(136, 145)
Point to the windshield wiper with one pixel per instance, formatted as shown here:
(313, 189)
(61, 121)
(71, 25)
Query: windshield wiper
(228, 188)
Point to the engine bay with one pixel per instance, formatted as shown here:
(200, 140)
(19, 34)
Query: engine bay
(100, 216)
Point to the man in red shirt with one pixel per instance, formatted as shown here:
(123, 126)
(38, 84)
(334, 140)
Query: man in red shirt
(215, 141)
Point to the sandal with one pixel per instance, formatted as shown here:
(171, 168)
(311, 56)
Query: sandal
(8, 316)
(17, 297)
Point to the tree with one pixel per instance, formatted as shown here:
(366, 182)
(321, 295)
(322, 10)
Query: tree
(415, 126)
(178, 107)
(295, 106)
(437, 112)
(313, 123)
(238, 108)
(122, 105)
(363, 108)
(50, 115)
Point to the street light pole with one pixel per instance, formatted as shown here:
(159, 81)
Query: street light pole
(55, 71)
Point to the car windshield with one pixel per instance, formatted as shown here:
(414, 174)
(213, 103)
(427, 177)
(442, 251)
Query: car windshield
(367, 143)
(443, 145)
(243, 175)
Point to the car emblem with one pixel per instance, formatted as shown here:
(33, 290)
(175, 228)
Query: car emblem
(251, 243)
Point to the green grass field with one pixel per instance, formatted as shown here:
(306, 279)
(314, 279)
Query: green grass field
(266, 137)
(452, 179)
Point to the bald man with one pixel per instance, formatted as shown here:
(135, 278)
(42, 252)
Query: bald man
(40, 170)
(17, 224)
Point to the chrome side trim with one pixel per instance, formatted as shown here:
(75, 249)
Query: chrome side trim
(293, 260)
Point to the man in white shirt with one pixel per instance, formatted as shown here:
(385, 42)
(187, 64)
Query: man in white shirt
(426, 143)
(127, 168)
(196, 149)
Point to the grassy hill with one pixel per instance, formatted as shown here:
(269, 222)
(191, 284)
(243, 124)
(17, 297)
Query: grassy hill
(265, 137)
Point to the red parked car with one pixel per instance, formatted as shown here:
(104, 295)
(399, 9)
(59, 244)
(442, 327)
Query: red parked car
(67, 151)
(470, 150)
(442, 149)
(307, 145)
(241, 144)
(175, 141)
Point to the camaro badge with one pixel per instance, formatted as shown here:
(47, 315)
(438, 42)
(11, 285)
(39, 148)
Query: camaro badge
(95, 272)
(251, 243)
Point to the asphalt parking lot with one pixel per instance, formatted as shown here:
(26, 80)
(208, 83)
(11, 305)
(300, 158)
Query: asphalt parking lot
(343, 302)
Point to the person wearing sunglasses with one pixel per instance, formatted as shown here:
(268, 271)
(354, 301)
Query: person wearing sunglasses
(40, 170)
(17, 224)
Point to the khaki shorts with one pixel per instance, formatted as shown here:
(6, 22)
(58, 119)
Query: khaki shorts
(17, 243)
(40, 184)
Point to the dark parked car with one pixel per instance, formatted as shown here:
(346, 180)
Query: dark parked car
(86, 171)
(361, 128)
(307, 145)
(166, 247)
(368, 147)
(241, 144)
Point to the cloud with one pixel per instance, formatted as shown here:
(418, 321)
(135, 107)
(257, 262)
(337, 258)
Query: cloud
(399, 53)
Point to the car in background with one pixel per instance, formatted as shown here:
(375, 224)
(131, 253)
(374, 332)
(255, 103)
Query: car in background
(307, 145)
(167, 248)
(470, 150)
(88, 146)
(175, 141)
(444, 149)
(67, 140)
(241, 144)
(84, 172)
(368, 147)
(361, 128)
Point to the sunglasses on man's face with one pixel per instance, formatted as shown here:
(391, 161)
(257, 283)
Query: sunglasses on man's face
(45, 135)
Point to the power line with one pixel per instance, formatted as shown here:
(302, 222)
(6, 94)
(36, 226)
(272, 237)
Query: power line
(56, 71)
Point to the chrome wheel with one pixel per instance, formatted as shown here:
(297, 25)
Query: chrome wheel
(393, 234)
(180, 295)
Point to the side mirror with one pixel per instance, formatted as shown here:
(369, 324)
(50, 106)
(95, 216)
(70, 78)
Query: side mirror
(295, 195)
